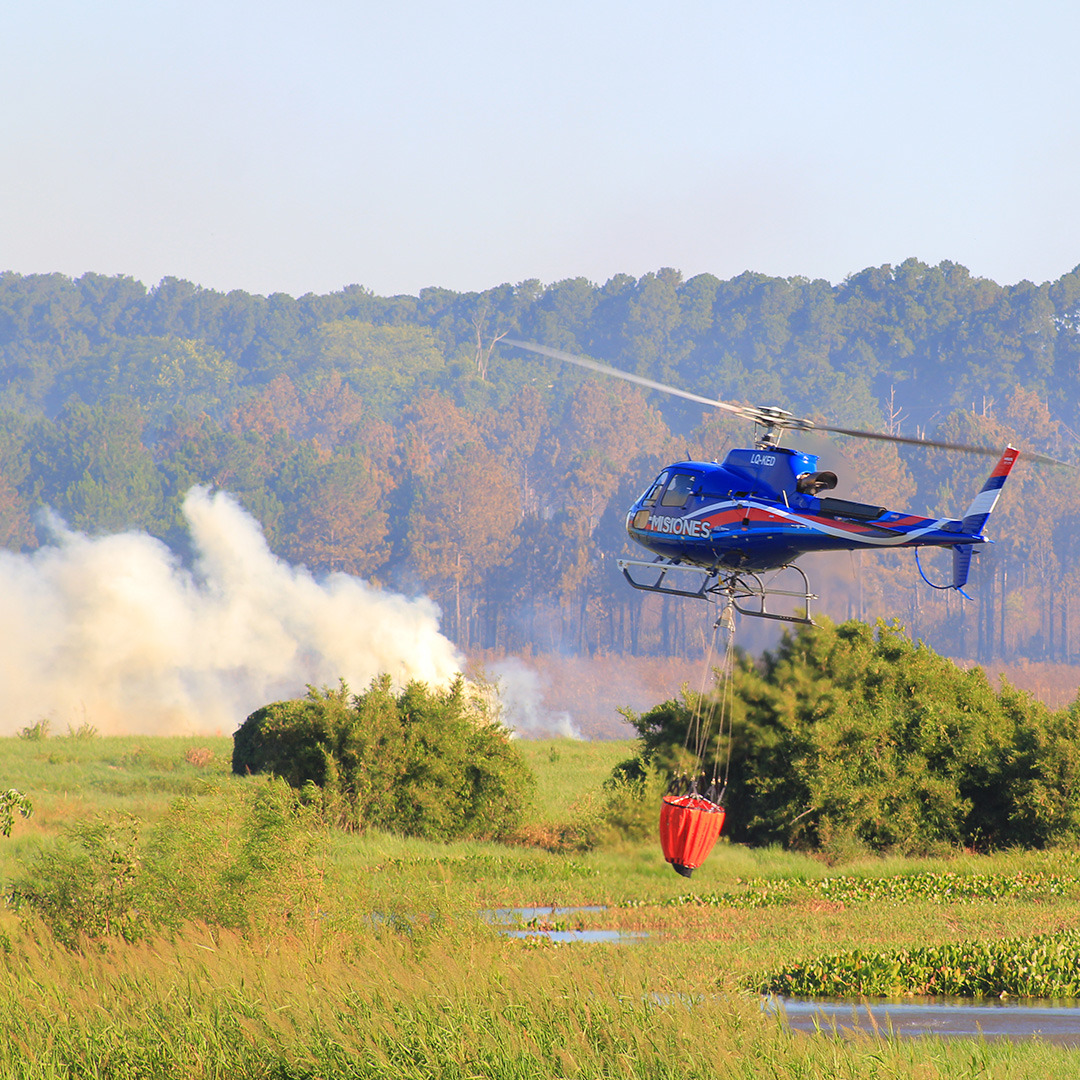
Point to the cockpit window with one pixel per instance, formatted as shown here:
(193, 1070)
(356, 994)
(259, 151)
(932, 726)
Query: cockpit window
(654, 492)
(682, 484)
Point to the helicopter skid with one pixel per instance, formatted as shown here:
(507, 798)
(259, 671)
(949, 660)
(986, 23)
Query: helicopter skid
(716, 588)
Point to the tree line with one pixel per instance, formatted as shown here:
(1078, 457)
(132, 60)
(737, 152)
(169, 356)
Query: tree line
(400, 438)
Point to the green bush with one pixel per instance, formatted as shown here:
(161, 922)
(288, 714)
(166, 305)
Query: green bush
(11, 801)
(852, 738)
(631, 800)
(88, 883)
(428, 763)
(250, 860)
(257, 865)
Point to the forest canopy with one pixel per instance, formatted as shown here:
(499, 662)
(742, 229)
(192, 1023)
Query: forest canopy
(399, 439)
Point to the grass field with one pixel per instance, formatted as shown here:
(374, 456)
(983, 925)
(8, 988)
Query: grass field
(385, 967)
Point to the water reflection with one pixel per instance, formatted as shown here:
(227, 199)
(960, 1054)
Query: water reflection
(618, 936)
(527, 914)
(549, 924)
(1052, 1021)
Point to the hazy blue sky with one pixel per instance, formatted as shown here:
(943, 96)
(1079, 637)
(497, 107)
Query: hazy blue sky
(303, 147)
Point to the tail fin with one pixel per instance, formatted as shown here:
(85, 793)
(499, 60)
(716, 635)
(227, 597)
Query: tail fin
(983, 503)
(973, 521)
(961, 567)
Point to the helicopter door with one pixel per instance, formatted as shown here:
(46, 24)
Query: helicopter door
(679, 489)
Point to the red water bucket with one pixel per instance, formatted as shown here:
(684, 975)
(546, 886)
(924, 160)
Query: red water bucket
(689, 826)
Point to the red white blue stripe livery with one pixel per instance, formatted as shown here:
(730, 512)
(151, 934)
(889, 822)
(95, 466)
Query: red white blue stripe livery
(761, 509)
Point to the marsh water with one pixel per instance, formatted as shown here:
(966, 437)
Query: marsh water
(1053, 1021)
(551, 924)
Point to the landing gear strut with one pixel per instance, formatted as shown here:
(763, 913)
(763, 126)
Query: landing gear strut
(736, 587)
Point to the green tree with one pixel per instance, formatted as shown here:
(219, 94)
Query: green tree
(430, 763)
(383, 364)
(93, 468)
(161, 374)
(849, 737)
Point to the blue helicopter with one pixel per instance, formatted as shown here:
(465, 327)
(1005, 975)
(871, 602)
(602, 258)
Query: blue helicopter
(714, 528)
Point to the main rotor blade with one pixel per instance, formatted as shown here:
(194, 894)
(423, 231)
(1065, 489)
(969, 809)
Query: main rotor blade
(766, 417)
(603, 369)
(964, 448)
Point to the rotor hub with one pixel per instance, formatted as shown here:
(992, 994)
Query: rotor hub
(775, 420)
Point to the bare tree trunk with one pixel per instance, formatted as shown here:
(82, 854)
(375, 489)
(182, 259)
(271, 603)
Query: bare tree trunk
(483, 353)
(1050, 624)
(457, 605)
(1066, 649)
(1004, 585)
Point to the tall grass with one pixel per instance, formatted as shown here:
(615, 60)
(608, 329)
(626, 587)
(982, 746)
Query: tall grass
(449, 1005)
(373, 960)
(569, 770)
(71, 779)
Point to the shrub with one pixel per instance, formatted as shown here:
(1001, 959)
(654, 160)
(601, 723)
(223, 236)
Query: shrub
(88, 883)
(37, 731)
(248, 863)
(428, 763)
(632, 798)
(256, 866)
(10, 801)
(852, 737)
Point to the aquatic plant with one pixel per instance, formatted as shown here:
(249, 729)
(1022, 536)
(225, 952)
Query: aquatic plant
(1043, 966)
(940, 887)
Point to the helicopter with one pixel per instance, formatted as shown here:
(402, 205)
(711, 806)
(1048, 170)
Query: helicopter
(715, 528)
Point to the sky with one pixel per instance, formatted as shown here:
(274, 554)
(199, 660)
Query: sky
(299, 148)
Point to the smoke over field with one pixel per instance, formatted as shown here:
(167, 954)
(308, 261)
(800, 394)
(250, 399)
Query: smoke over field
(115, 632)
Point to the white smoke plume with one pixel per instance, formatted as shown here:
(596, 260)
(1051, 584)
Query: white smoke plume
(116, 633)
(522, 696)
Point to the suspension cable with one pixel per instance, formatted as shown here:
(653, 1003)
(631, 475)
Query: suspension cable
(700, 727)
(726, 693)
(697, 729)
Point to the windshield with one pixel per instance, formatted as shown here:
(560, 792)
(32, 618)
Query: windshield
(654, 492)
